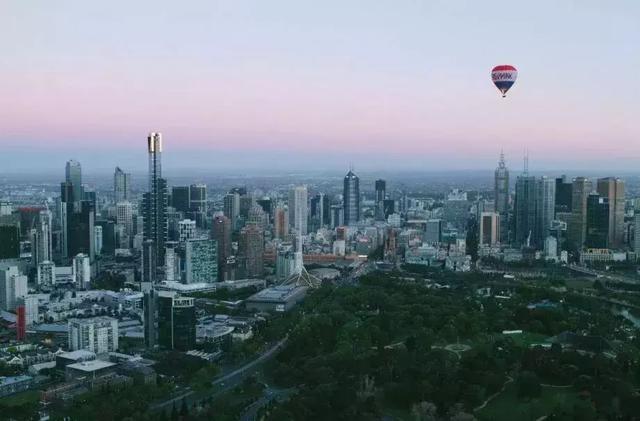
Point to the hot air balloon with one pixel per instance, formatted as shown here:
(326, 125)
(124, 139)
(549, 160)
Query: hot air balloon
(504, 76)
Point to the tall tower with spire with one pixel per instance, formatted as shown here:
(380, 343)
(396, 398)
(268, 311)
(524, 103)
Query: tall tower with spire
(155, 201)
(501, 186)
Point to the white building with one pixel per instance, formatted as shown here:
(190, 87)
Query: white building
(82, 271)
(551, 248)
(13, 286)
(298, 209)
(46, 273)
(186, 230)
(97, 334)
(31, 308)
(489, 228)
(98, 239)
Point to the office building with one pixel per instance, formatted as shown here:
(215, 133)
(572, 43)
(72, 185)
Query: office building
(545, 208)
(9, 240)
(31, 306)
(433, 232)
(186, 230)
(232, 207)
(82, 271)
(80, 217)
(176, 321)
(96, 334)
(267, 206)
(281, 223)
(201, 261)
(389, 207)
(456, 209)
(381, 195)
(149, 313)
(155, 201)
(13, 286)
(564, 193)
(124, 217)
(580, 191)
(525, 210)
(121, 186)
(73, 177)
(198, 197)
(598, 222)
(46, 274)
(351, 199)
(320, 213)
(41, 242)
(489, 226)
(636, 233)
(285, 262)
(612, 189)
(98, 239)
(501, 187)
(221, 232)
(252, 250)
(298, 209)
(337, 216)
(180, 198)
(172, 269)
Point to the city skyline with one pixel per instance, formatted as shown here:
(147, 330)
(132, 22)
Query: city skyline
(301, 86)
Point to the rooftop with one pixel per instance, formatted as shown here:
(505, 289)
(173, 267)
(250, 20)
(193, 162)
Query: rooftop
(90, 366)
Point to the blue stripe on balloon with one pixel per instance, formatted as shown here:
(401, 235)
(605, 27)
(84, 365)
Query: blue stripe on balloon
(503, 84)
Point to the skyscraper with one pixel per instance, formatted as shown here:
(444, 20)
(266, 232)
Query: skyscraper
(42, 240)
(597, 231)
(545, 208)
(613, 189)
(381, 194)
(252, 250)
(525, 209)
(180, 198)
(351, 198)
(564, 194)
(221, 232)
(581, 189)
(489, 228)
(298, 209)
(121, 185)
(501, 187)
(281, 223)
(201, 261)
(73, 176)
(155, 200)
(232, 207)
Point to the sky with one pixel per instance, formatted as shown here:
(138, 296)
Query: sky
(295, 84)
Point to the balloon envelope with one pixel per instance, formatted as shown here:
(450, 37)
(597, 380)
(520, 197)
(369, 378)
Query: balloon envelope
(504, 76)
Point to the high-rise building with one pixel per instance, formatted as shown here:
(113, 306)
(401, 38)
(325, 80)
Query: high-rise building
(285, 262)
(545, 208)
(581, 189)
(176, 321)
(13, 286)
(433, 232)
(124, 216)
(232, 207)
(201, 261)
(501, 187)
(73, 176)
(281, 223)
(31, 306)
(337, 216)
(257, 217)
(82, 271)
(320, 213)
(267, 206)
(381, 195)
(155, 200)
(613, 189)
(252, 250)
(186, 230)
(96, 334)
(598, 222)
(564, 193)
(351, 198)
(636, 233)
(121, 186)
(489, 229)
(525, 210)
(149, 306)
(180, 198)
(98, 239)
(298, 211)
(221, 232)
(9, 240)
(46, 274)
(198, 197)
(172, 269)
(389, 207)
(80, 217)
(41, 243)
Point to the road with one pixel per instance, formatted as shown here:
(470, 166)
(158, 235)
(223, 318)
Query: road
(224, 383)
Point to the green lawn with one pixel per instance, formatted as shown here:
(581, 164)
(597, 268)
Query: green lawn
(507, 406)
(30, 396)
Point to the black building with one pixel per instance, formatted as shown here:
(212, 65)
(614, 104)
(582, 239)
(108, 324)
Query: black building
(597, 222)
(176, 321)
(564, 194)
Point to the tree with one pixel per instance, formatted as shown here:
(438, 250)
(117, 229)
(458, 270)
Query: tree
(528, 385)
